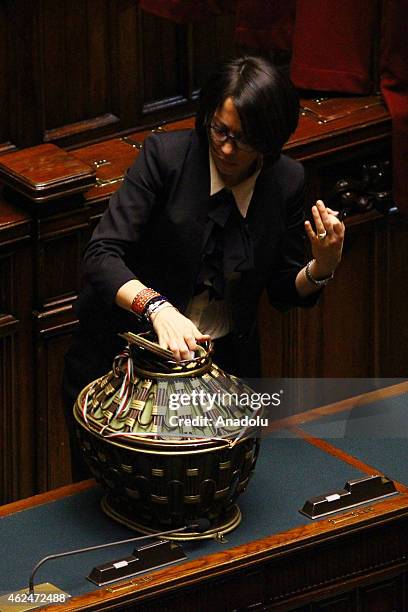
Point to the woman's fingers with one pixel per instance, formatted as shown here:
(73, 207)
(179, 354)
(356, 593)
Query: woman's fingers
(192, 340)
(335, 213)
(309, 230)
(325, 220)
(318, 221)
(177, 333)
(177, 345)
(180, 350)
(338, 228)
(191, 343)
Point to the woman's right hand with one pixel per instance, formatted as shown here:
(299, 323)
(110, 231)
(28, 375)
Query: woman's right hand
(176, 333)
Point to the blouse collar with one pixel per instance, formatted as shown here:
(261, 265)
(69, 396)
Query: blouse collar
(242, 192)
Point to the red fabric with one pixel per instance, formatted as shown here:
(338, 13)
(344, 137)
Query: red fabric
(394, 87)
(265, 25)
(186, 11)
(332, 45)
(332, 50)
(259, 24)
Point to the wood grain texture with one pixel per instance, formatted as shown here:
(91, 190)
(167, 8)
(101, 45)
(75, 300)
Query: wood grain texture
(5, 79)
(15, 225)
(73, 73)
(45, 173)
(45, 498)
(17, 447)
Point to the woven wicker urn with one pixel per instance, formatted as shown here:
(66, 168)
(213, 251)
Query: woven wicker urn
(168, 441)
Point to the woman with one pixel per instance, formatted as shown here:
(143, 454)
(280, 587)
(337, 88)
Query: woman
(205, 220)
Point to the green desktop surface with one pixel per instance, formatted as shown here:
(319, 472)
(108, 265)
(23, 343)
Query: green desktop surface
(288, 471)
(376, 433)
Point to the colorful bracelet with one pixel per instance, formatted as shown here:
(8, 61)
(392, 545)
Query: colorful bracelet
(142, 299)
(152, 306)
(156, 308)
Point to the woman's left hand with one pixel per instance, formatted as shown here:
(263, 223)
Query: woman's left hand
(326, 240)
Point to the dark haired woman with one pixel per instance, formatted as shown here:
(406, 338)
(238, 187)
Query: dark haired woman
(205, 220)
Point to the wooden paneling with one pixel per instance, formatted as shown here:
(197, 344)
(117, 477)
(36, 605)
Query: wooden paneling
(392, 299)
(5, 79)
(61, 239)
(8, 402)
(332, 324)
(85, 96)
(164, 69)
(75, 72)
(17, 454)
(346, 602)
(353, 331)
(53, 331)
(212, 44)
(17, 430)
(388, 595)
(25, 85)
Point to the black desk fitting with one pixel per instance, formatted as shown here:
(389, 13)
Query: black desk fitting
(148, 557)
(355, 492)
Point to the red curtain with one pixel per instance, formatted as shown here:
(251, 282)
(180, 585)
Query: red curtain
(265, 25)
(258, 24)
(184, 11)
(332, 45)
(332, 49)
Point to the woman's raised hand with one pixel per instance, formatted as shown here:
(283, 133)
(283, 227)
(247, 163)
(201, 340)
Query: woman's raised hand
(326, 240)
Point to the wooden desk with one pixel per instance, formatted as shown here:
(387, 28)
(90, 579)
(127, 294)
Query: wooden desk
(277, 559)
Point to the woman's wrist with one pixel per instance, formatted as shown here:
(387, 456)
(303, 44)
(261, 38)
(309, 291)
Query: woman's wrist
(163, 306)
(143, 299)
(154, 309)
(147, 303)
(316, 276)
(321, 271)
(126, 293)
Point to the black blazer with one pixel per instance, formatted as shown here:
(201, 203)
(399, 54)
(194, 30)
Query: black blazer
(154, 228)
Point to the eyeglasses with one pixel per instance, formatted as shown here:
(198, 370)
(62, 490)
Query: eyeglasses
(219, 135)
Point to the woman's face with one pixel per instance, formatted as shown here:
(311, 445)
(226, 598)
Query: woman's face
(233, 163)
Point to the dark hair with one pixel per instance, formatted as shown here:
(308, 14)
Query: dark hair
(265, 99)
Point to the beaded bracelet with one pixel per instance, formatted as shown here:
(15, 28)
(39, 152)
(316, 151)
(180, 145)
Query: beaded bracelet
(141, 300)
(318, 282)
